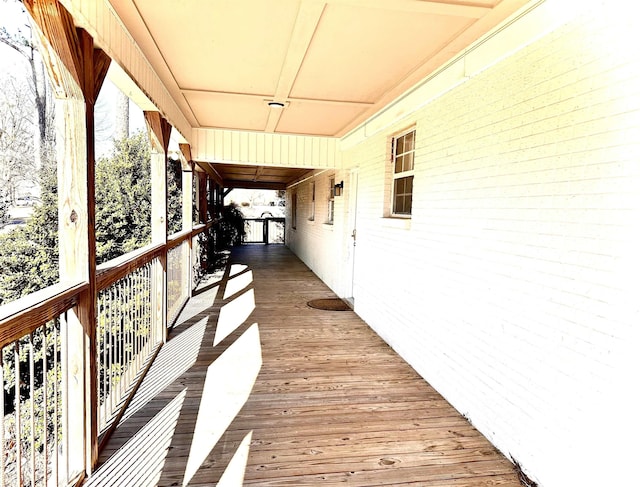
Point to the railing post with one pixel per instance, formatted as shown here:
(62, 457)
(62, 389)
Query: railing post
(159, 132)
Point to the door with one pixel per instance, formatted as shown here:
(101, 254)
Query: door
(351, 237)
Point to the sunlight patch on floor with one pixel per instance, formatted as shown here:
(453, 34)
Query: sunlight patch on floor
(237, 284)
(233, 314)
(233, 475)
(228, 384)
(236, 269)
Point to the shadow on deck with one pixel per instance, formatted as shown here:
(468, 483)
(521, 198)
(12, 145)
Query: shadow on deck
(256, 388)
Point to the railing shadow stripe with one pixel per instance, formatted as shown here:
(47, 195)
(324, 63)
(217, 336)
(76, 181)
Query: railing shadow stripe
(191, 377)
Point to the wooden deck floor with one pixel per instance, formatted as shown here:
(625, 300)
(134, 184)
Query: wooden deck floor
(287, 395)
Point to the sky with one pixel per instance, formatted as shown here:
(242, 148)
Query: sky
(14, 19)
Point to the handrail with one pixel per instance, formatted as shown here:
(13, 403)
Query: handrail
(115, 269)
(177, 238)
(278, 219)
(201, 227)
(109, 272)
(24, 315)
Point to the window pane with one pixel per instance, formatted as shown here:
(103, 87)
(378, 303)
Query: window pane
(399, 164)
(398, 186)
(409, 141)
(402, 199)
(400, 205)
(399, 145)
(409, 185)
(408, 162)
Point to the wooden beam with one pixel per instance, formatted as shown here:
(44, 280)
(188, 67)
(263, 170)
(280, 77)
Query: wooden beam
(159, 130)
(202, 197)
(467, 10)
(95, 64)
(77, 70)
(254, 184)
(61, 46)
(186, 160)
(307, 20)
(101, 63)
(210, 170)
(187, 215)
(259, 171)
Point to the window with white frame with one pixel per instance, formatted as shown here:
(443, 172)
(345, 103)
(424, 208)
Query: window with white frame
(403, 148)
(312, 206)
(332, 183)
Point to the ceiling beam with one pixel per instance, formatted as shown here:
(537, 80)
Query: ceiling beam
(185, 157)
(211, 172)
(232, 183)
(420, 7)
(266, 98)
(159, 130)
(309, 15)
(259, 171)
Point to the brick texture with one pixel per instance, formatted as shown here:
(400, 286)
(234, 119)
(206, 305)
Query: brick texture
(513, 289)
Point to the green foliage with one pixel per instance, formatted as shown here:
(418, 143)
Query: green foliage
(4, 210)
(174, 196)
(123, 198)
(230, 227)
(25, 265)
(29, 255)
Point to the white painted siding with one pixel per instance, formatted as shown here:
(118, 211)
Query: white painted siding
(514, 287)
(241, 147)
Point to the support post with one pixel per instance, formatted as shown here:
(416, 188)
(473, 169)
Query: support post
(159, 131)
(202, 197)
(187, 212)
(77, 70)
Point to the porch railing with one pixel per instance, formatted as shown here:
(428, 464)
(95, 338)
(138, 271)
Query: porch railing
(125, 335)
(44, 370)
(37, 426)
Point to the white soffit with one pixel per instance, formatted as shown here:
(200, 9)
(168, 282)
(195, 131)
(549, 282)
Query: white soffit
(333, 63)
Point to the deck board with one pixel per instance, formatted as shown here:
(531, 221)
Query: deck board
(331, 404)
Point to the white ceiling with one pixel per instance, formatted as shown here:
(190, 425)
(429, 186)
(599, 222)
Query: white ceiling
(334, 63)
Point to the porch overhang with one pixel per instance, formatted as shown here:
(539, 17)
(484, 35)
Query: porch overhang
(329, 64)
(234, 176)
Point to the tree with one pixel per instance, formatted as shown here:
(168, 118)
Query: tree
(23, 42)
(123, 198)
(17, 162)
(121, 129)
(4, 208)
(174, 196)
(29, 255)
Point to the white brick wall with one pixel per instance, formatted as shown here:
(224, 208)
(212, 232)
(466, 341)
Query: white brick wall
(514, 288)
